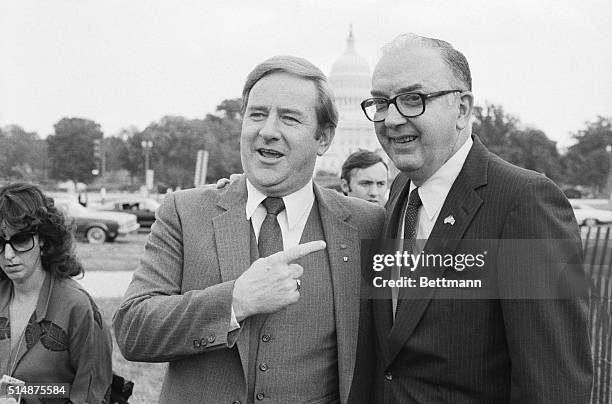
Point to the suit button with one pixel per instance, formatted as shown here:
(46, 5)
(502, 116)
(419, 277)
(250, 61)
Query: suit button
(196, 343)
(211, 338)
(263, 367)
(260, 396)
(203, 342)
(388, 376)
(236, 402)
(266, 338)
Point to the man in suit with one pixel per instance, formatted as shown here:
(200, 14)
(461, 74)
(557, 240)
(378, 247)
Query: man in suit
(432, 347)
(236, 290)
(365, 175)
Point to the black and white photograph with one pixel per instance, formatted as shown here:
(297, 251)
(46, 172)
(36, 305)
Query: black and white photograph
(305, 202)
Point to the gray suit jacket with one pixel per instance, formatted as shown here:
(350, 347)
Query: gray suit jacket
(443, 349)
(177, 308)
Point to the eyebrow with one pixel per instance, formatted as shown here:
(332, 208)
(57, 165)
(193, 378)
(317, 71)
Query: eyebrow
(280, 110)
(413, 87)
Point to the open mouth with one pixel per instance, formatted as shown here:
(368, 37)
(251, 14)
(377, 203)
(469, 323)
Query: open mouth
(269, 153)
(403, 139)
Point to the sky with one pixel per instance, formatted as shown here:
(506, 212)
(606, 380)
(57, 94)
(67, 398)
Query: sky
(129, 63)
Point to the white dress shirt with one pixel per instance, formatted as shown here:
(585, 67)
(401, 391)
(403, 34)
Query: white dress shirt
(434, 190)
(433, 193)
(292, 220)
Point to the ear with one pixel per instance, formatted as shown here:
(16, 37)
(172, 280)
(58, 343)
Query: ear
(466, 106)
(344, 186)
(325, 139)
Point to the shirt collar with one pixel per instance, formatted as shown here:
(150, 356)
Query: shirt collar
(434, 190)
(297, 204)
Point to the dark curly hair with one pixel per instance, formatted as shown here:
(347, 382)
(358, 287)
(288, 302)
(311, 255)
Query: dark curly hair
(24, 207)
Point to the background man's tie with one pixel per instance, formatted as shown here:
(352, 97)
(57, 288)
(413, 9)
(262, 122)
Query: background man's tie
(410, 223)
(270, 237)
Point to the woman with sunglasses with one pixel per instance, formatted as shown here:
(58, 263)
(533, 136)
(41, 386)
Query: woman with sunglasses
(51, 331)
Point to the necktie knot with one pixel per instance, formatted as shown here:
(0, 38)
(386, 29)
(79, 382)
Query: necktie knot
(415, 199)
(273, 205)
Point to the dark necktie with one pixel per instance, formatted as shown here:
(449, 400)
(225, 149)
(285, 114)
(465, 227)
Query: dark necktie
(270, 236)
(410, 223)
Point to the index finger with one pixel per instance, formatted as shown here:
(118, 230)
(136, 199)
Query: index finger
(298, 251)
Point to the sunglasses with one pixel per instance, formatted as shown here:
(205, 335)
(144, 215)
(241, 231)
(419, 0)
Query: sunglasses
(20, 242)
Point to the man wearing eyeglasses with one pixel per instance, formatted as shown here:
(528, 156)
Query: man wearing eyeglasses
(432, 346)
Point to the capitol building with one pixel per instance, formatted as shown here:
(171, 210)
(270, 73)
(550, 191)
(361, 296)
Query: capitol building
(351, 80)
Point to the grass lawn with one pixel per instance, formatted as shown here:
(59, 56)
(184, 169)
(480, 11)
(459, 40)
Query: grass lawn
(120, 255)
(147, 377)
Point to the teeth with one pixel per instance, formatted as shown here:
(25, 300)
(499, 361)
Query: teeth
(269, 153)
(404, 139)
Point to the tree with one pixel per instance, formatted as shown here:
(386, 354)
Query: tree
(231, 109)
(587, 162)
(71, 149)
(176, 141)
(23, 155)
(529, 148)
(494, 127)
(532, 149)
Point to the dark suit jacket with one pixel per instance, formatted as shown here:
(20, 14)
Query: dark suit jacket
(442, 349)
(177, 308)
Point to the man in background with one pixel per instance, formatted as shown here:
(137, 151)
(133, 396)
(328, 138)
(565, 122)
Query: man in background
(365, 175)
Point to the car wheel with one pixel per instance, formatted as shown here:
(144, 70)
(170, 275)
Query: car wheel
(95, 235)
(590, 222)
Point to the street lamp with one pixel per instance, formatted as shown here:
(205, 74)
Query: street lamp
(609, 184)
(147, 145)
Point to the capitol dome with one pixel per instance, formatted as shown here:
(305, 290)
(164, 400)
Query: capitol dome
(350, 63)
(350, 79)
(351, 70)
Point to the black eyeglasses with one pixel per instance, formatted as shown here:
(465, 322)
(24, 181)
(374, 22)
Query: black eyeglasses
(409, 105)
(20, 242)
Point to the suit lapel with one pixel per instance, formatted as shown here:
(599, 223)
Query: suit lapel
(342, 242)
(462, 203)
(232, 238)
(383, 314)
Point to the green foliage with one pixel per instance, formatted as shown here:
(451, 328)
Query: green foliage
(71, 149)
(587, 162)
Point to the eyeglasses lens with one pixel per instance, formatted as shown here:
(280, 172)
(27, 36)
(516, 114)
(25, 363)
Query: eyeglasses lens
(409, 105)
(20, 242)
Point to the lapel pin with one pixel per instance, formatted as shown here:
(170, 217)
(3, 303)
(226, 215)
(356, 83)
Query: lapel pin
(345, 259)
(449, 219)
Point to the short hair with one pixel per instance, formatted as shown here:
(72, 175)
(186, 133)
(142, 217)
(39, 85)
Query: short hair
(24, 207)
(327, 113)
(360, 159)
(453, 58)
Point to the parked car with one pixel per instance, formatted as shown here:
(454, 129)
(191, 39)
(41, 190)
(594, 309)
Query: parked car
(572, 193)
(97, 226)
(143, 208)
(589, 216)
